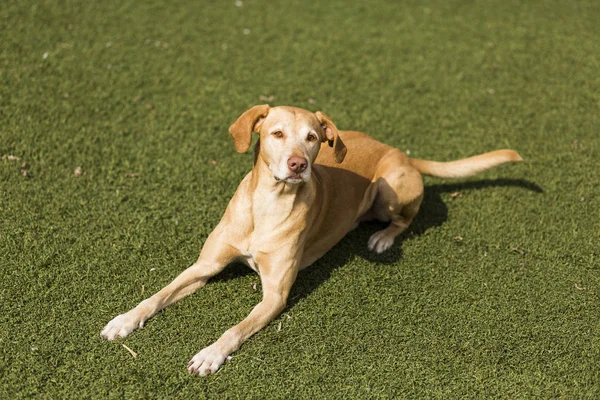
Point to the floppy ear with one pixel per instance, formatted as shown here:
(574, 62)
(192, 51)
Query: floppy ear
(331, 133)
(248, 122)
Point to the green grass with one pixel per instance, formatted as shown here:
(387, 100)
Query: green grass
(150, 88)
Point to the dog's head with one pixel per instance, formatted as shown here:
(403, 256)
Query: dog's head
(290, 139)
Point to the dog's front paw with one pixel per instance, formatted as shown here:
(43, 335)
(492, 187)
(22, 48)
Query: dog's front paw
(380, 241)
(208, 361)
(121, 326)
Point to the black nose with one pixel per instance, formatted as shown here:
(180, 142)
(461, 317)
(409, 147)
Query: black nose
(297, 164)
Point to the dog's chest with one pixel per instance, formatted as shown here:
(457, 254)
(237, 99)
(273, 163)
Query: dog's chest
(276, 224)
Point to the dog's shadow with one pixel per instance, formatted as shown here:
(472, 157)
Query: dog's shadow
(433, 213)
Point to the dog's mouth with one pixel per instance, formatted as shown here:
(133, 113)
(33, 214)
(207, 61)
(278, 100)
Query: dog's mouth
(293, 178)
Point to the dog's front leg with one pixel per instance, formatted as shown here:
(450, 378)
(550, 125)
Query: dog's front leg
(215, 255)
(277, 280)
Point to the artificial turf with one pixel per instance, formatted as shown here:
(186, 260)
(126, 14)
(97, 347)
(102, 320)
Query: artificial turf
(493, 292)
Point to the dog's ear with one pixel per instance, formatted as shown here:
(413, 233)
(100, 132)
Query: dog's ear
(250, 121)
(332, 136)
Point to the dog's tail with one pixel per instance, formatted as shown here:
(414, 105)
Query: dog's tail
(466, 166)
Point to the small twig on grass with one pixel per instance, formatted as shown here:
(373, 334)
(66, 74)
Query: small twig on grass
(133, 353)
(521, 252)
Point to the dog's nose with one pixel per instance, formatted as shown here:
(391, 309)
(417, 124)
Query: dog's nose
(297, 164)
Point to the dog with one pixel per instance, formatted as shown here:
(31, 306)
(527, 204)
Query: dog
(310, 185)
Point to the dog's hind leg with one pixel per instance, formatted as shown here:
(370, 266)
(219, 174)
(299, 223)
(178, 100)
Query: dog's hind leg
(215, 256)
(399, 196)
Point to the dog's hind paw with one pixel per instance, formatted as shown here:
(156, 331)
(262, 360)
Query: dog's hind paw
(121, 326)
(380, 241)
(208, 361)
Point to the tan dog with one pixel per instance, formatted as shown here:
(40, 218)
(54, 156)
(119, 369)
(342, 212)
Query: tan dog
(310, 185)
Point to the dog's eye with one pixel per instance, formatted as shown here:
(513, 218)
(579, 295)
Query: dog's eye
(277, 134)
(311, 137)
